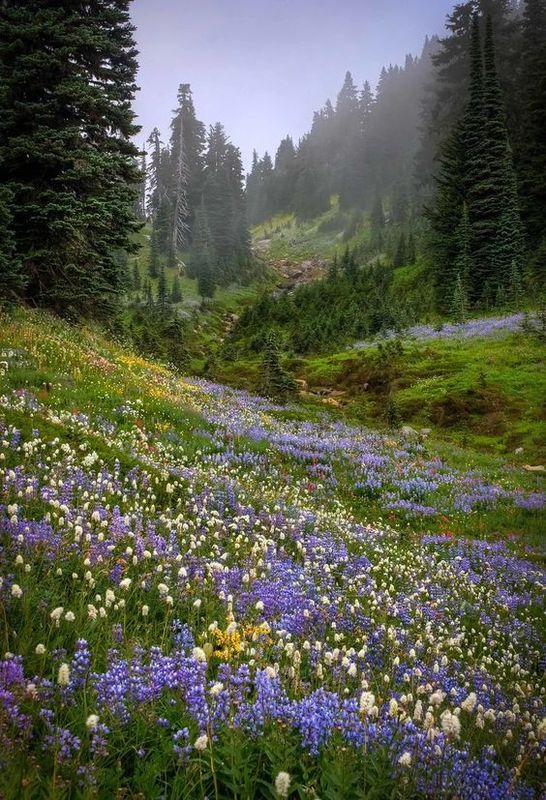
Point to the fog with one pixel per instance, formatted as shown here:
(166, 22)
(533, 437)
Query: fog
(263, 66)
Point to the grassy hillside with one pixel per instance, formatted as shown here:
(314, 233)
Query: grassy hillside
(202, 590)
(486, 393)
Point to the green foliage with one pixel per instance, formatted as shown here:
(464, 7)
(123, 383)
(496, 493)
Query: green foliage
(350, 303)
(11, 277)
(72, 196)
(477, 231)
(530, 146)
(459, 301)
(276, 381)
(392, 413)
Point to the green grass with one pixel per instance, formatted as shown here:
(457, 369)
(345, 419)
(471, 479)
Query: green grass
(485, 394)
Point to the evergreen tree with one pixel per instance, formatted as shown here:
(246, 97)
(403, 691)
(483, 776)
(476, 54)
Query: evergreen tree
(155, 173)
(411, 251)
(399, 259)
(162, 293)
(136, 276)
(225, 206)
(377, 219)
(177, 352)
(186, 147)
(463, 262)
(506, 245)
(459, 300)
(477, 183)
(176, 291)
(148, 294)
(276, 381)
(154, 261)
(70, 164)
(531, 147)
(202, 256)
(11, 278)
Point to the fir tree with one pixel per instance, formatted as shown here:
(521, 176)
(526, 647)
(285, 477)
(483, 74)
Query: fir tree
(202, 256)
(11, 278)
(531, 147)
(155, 173)
(136, 276)
(176, 291)
(162, 294)
(377, 218)
(70, 164)
(154, 260)
(411, 252)
(459, 300)
(463, 262)
(506, 244)
(177, 352)
(515, 288)
(276, 381)
(477, 182)
(399, 259)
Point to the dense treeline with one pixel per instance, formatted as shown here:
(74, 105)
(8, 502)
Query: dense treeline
(363, 145)
(68, 169)
(350, 303)
(196, 201)
(447, 158)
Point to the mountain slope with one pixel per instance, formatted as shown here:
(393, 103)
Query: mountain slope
(203, 589)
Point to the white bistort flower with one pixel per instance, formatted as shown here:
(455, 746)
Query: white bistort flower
(367, 702)
(63, 676)
(282, 784)
(201, 742)
(92, 722)
(450, 725)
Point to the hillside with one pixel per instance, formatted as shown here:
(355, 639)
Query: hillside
(205, 590)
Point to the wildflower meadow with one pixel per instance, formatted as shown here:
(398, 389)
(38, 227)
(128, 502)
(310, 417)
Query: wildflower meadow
(206, 595)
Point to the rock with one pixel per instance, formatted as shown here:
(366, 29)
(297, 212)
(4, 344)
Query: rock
(331, 401)
(518, 451)
(538, 468)
(302, 385)
(338, 393)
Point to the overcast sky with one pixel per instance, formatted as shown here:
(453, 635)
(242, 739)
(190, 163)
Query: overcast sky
(263, 66)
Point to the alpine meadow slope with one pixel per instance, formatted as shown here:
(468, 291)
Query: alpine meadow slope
(204, 590)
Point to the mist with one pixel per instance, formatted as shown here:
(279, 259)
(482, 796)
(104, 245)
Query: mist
(263, 67)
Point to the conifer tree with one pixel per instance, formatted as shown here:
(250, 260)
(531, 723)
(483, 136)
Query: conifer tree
(177, 352)
(463, 262)
(411, 251)
(506, 244)
(399, 259)
(136, 276)
(477, 184)
(70, 164)
(155, 173)
(176, 291)
(162, 294)
(531, 148)
(377, 218)
(11, 278)
(202, 256)
(276, 381)
(154, 260)
(459, 300)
